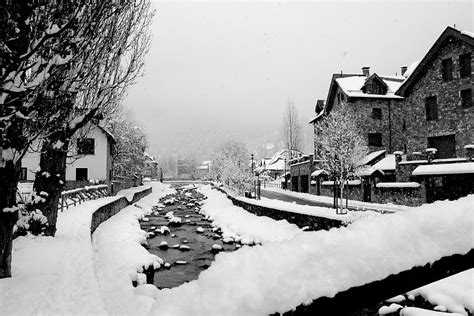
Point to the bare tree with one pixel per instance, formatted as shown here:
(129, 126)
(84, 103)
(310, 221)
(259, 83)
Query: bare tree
(340, 146)
(292, 133)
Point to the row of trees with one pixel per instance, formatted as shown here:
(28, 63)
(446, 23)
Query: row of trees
(63, 64)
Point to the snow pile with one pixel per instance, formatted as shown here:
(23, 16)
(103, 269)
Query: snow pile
(454, 293)
(55, 275)
(256, 280)
(128, 193)
(120, 258)
(235, 222)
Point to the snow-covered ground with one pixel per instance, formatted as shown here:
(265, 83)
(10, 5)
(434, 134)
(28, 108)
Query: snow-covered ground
(276, 277)
(352, 203)
(236, 222)
(119, 255)
(56, 275)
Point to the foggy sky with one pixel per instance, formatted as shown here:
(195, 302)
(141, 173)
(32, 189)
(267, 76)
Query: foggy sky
(226, 70)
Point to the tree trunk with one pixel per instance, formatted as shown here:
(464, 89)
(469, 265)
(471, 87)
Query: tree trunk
(51, 178)
(8, 187)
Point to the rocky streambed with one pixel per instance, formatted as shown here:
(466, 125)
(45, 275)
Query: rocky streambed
(182, 237)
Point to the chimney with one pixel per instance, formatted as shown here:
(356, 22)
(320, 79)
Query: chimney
(365, 71)
(404, 69)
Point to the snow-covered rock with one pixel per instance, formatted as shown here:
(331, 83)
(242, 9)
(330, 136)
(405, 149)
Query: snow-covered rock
(200, 230)
(163, 245)
(184, 248)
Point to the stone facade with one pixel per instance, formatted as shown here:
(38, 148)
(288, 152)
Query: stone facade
(453, 118)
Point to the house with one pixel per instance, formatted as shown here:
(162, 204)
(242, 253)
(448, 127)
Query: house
(438, 97)
(203, 170)
(418, 126)
(90, 157)
(151, 167)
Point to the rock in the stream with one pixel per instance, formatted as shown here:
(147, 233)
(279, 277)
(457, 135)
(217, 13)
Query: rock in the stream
(167, 265)
(163, 245)
(145, 219)
(305, 228)
(151, 234)
(175, 221)
(173, 236)
(216, 248)
(184, 248)
(176, 246)
(185, 241)
(187, 216)
(164, 230)
(181, 262)
(169, 215)
(228, 240)
(187, 221)
(199, 230)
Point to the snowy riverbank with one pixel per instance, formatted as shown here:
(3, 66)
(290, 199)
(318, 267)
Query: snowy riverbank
(257, 280)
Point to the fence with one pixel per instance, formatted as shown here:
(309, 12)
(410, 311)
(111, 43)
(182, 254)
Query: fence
(79, 195)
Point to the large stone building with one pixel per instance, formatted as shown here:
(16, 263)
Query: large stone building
(429, 106)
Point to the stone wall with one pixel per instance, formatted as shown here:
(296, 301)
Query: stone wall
(105, 212)
(301, 220)
(352, 192)
(452, 117)
(404, 196)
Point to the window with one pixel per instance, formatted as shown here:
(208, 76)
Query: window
(375, 139)
(445, 145)
(377, 113)
(431, 105)
(465, 65)
(23, 174)
(447, 69)
(466, 98)
(86, 146)
(81, 174)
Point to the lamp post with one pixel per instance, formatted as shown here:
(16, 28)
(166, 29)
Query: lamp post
(284, 175)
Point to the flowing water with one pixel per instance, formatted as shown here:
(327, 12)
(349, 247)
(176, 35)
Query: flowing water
(199, 256)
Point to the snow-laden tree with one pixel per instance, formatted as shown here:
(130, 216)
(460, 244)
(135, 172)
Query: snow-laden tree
(49, 64)
(128, 159)
(230, 165)
(340, 146)
(92, 87)
(292, 132)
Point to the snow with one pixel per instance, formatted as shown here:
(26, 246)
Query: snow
(454, 293)
(318, 211)
(415, 311)
(441, 169)
(256, 280)
(352, 86)
(237, 222)
(411, 69)
(389, 309)
(468, 33)
(317, 173)
(55, 275)
(398, 185)
(350, 182)
(367, 159)
(128, 193)
(387, 163)
(352, 203)
(119, 257)
(469, 146)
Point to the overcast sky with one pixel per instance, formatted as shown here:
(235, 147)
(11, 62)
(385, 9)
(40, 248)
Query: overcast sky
(219, 70)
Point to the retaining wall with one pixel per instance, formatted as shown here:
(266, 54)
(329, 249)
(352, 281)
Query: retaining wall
(301, 220)
(108, 210)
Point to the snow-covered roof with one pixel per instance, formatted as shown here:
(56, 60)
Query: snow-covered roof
(468, 33)
(277, 165)
(411, 68)
(352, 86)
(387, 163)
(370, 157)
(398, 185)
(367, 171)
(317, 173)
(320, 114)
(443, 169)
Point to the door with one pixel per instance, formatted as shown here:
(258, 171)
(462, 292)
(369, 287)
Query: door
(445, 145)
(304, 183)
(367, 190)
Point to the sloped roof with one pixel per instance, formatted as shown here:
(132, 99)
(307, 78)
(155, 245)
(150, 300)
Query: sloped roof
(449, 33)
(445, 168)
(387, 163)
(352, 86)
(107, 133)
(371, 157)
